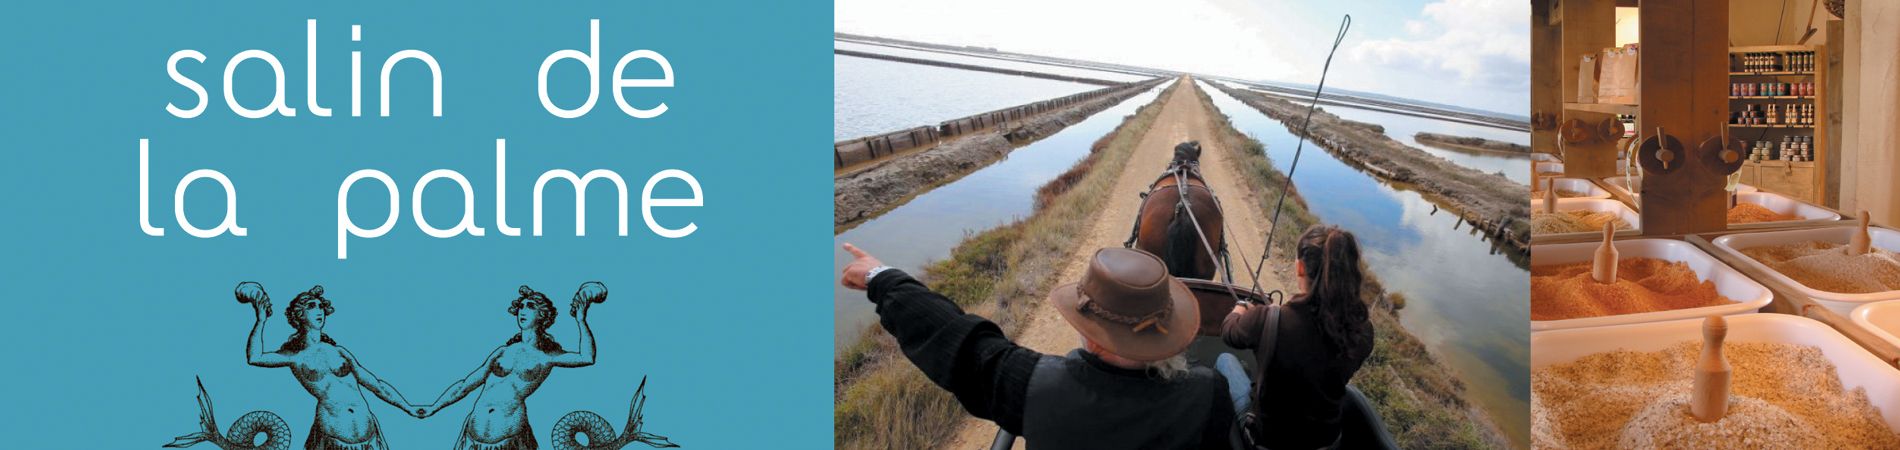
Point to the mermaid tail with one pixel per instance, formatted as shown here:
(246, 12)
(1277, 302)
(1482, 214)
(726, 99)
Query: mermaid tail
(243, 432)
(600, 435)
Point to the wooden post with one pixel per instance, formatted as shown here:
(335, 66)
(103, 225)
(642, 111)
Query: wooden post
(1830, 104)
(1685, 82)
(1589, 26)
(1546, 74)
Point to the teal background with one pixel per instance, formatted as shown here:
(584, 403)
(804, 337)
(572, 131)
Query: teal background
(105, 328)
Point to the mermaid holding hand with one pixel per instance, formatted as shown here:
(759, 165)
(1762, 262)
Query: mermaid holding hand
(505, 379)
(509, 374)
(327, 370)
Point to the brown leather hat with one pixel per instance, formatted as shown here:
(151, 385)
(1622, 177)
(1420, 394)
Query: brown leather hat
(1127, 303)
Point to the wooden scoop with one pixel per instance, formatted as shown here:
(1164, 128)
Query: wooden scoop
(1709, 400)
(1732, 186)
(1603, 268)
(1550, 195)
(1861, 242)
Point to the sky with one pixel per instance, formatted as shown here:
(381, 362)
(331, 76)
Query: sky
(1472, 53)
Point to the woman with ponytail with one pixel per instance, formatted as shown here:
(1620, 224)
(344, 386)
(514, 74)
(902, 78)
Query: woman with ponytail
(1321, 337)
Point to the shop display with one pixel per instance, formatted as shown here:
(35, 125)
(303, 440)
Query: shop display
(1826, 266)
(1753, 213)
(1798, 62)
(1781, 396)
(1568, 291)
(1561, 193)
(1573, 221)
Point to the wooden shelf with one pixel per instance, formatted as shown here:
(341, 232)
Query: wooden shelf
(1771, 49)
(1769, 74)
(1806, 180)
(1605, 108)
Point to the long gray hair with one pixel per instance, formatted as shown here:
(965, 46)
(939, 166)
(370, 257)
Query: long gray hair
(1166, 369)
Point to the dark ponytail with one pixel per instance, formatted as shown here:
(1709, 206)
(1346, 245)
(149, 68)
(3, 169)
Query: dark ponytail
(1331, 257)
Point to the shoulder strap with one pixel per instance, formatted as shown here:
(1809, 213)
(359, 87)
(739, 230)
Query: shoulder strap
(1269, 338)
(1243, 433)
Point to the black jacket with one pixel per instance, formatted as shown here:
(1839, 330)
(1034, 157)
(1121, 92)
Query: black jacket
(1306, 379)
(1076, 401)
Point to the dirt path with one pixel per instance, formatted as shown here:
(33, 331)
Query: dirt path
(1182, 118)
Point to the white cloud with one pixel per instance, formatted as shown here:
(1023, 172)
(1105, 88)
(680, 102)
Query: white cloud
(1463, 52)
(1476, 45)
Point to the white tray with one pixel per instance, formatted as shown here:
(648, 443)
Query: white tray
(1882, 319)
(1630, 185)
(1782, 204)
(1592, 204)
(1748, 295)
(1856, 367)
(1839, 302)
(1589, 190)
(1548, 168)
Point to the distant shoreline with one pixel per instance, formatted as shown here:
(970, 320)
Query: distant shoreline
(1470, 144)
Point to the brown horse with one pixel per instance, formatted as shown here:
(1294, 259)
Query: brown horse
(1180, 219)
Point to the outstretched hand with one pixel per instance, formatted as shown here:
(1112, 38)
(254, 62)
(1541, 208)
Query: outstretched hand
(855, 274)
(252, 293)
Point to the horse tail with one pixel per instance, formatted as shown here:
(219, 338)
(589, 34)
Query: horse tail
(1184, 244)
(600, 434)
(243, 432)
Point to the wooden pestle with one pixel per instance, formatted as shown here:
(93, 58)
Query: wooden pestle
(1603, 267)
(1708, 401)
(1861, 242)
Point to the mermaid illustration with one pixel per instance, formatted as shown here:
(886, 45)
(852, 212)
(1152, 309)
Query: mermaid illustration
(326, 370)
(499, 420)
(344, 421)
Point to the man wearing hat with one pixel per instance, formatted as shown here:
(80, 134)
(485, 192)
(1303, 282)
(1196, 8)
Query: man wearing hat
(1128, 387)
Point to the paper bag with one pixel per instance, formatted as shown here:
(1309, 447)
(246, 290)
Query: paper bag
(1587, 79)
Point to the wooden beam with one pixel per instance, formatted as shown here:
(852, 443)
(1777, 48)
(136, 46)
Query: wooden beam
(1828, 144)
(1546, 75)
(1684, 84)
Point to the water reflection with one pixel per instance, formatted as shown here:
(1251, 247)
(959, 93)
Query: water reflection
(871, 96)
(1465, 302)
(927, 227)
(1405, 129)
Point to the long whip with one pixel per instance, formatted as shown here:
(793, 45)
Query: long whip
(1273, 225)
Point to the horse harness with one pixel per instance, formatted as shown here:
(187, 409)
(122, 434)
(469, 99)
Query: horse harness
(1181, 171)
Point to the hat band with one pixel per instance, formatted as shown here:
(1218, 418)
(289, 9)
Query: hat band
(1136, 324)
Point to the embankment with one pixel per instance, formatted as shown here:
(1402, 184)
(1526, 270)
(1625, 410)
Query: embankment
(882, 401)
(1489, 201)
(1469, 144)
(1396, 107)
(878, 186)
(933, 62)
